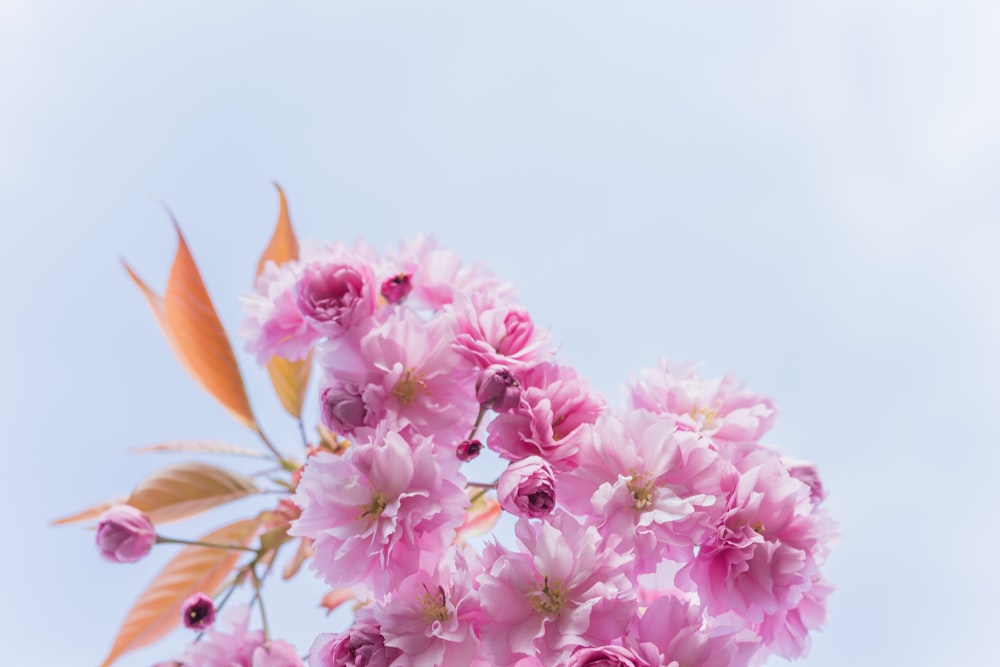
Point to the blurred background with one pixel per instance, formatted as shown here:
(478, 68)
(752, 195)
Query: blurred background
(803, 194)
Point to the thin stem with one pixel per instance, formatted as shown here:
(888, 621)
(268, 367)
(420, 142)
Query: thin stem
(260, 601)
(483, 489)
(479, 420)
(481, 485)
(270, 445)
(212, 545)
(302, 432)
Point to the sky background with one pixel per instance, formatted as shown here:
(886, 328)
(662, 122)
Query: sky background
(804, 194)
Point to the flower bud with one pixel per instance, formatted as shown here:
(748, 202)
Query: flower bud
(396, 288)
(199, 612)
(498, 389)
(527, 487)
(124, 534)
(343, 411)
(468, 450)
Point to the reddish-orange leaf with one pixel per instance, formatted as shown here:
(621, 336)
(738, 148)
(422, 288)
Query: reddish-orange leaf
(302, 554)
(479, 519)
(290, 378)
(198, 336)
(335, 598)
(194, 569)
(184, 490)
(284, 245)
(201, 448)
(90, 513)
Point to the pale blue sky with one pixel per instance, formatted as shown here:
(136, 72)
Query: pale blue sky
(803, 195)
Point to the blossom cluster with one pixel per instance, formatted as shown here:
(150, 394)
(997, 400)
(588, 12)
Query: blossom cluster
(663, 531)
(659, 533)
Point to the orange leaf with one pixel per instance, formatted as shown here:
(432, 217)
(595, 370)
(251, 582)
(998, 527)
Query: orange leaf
(89, 513)
(290, 378)
(335, 598)
(302, 554)
(200, 341)
(284, 246)
(479, 519)
(200, 447)
(194, 569)
(187, 489)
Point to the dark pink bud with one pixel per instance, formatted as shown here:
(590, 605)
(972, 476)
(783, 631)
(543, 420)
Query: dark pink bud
(124, 534)
(469, 449)
(527, 487)
(199, 612)
(397, 287)
(343, 410)
(498, 389)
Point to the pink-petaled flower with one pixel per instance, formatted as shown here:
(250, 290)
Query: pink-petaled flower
(607, 656)
(806, 472)
(566, 587)
(721, 409)
(434, 617)
(503, 335)
(527, 487)
(672, 632)
(124, 534)
(362, 645)
(659, 489)
(555, 409)
(437, 275)
(335, 294)
(762, 562)
(274, 325)
(230, 643)
(374, 510)
(403, 371)
(198, 612)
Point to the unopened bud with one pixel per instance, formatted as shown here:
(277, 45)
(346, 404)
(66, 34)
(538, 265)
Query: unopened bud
(498, 389)
(397, 287)
(468, 450)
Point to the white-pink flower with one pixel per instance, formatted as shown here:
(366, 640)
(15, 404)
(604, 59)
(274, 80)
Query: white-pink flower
(567, 586)
(490, 334)
(230, 643)
(721, 409)
(657, 488)
(274, 325)
(373, 511)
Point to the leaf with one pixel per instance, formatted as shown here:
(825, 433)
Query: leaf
(187, 489)
(289, 378)
(89, 513)
(194, 569)
(336, 597)
(302, 554)
(200, 447)
(192, 327)
(479, 519)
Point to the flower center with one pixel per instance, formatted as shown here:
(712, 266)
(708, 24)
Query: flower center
(643, 490)
(705, 415)
(550, 600)
(433, 605)
(374, 509)
(408, 387)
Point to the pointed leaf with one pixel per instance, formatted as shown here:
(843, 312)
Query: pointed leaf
(194, 569)
(336, 597)
(283, 246)
(479, 519)
(187, 489)
(290, 378)
(302, 554)
(200, 447)
(198, 336)
(90, 513)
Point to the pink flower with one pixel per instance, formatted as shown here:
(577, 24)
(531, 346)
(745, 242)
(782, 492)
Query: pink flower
(198, 612)
(361, 646)
(374, 510)
(658, 488)
(677, 630)
(437, 275)
(434, 617)
(124, 534)
(606, 656)
(565, 587)
(274, 326)
(527, 487)
(721, 409)
(555, 409)
(762, 563)
(231, 644)
(806, 472)
(404, 371)
(335, 294)
(503, 335)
